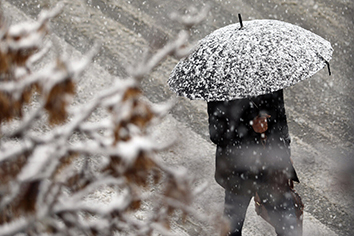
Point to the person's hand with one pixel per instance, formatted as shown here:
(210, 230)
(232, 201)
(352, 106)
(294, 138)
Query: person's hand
(260, 123)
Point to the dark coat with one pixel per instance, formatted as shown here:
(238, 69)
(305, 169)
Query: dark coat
(242, 159)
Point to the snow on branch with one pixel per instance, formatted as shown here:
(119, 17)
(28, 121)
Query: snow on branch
(55, 162)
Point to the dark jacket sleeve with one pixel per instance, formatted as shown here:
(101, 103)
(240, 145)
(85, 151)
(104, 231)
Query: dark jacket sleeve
(225, 121)
(280, 123)
(218, 124)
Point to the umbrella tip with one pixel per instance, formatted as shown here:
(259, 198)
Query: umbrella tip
(329, 69)
(240, 19)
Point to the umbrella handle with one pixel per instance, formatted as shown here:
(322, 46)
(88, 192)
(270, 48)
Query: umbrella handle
(240, 19)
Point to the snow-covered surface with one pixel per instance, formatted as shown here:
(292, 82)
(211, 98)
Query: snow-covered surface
(191, 151)
(262, 57)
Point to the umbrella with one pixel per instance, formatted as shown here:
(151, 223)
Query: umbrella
(260, 57)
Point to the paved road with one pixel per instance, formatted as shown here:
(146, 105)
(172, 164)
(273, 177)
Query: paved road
(320, 110)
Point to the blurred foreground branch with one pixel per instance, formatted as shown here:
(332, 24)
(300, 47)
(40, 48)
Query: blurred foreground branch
(47, 182)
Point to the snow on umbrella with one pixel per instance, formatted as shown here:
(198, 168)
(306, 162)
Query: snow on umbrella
(260, 57)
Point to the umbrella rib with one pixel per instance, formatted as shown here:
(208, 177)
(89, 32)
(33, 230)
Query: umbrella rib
(329, 69)
(327, 63)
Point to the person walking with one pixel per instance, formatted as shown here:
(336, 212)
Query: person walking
(241, 70)
(253, 160)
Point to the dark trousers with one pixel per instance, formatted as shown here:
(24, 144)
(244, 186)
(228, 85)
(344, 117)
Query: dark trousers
(278, 201)
(235, 210)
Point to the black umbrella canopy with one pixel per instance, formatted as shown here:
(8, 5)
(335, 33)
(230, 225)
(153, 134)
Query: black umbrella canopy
(260, 57)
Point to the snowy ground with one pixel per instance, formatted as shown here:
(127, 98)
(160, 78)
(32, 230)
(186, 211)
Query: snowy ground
(328, 204)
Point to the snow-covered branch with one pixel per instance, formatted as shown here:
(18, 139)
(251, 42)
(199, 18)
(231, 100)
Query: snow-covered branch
(54, 160)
